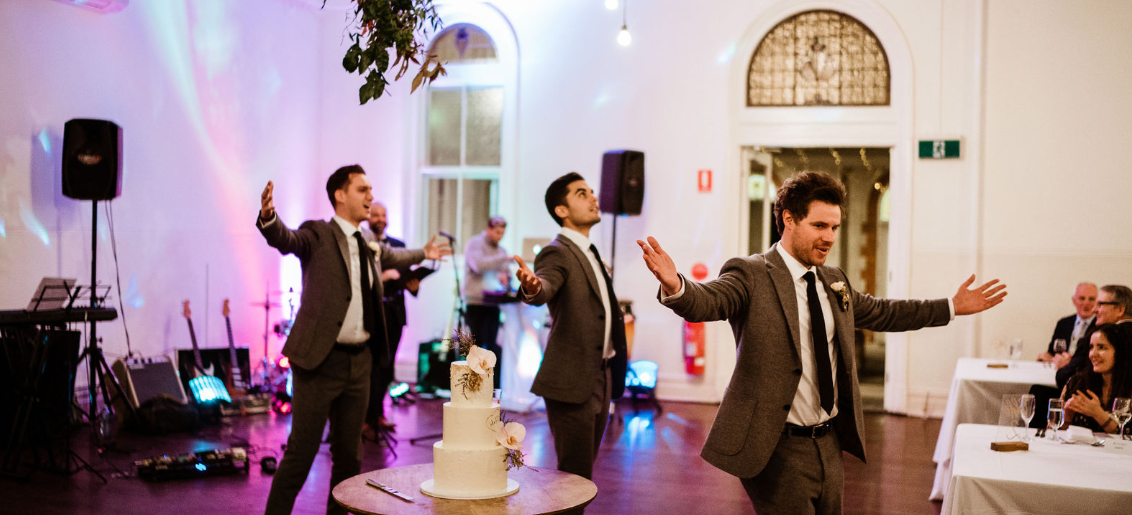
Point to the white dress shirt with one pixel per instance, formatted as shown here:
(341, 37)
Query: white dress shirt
(354, 326)
(584, 243)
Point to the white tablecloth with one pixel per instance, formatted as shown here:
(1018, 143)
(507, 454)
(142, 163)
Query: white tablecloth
(1049, 478)
(976, 398)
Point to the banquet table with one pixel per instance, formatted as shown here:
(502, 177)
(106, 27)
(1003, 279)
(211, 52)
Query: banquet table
(976, 398)
(1051, 477)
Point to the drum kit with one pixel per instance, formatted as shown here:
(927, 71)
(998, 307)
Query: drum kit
(274, 375)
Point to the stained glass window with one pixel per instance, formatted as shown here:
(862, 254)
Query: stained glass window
(819, 58)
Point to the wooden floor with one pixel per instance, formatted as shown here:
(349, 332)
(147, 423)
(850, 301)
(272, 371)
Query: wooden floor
(648, 464)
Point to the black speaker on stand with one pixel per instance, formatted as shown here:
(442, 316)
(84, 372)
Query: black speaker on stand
(92, 170)
(622, 188)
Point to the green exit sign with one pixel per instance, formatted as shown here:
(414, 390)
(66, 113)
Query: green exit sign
(939, 149)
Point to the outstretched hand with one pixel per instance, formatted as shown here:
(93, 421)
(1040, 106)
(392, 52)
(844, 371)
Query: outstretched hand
(434, 250)
(529, 282)
(267, 202)
(661, 266)
(982, 298)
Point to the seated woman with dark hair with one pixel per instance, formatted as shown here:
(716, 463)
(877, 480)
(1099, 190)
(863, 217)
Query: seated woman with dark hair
(1110, 352)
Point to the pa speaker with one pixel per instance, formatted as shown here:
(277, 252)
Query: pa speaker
(622, 182)
(92, 159)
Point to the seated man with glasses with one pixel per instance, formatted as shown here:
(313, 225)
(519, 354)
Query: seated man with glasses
(1114, 306)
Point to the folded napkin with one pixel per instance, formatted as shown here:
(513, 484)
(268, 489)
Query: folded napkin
(1078, 434)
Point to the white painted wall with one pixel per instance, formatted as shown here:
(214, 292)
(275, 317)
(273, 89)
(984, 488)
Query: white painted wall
(1033, 88)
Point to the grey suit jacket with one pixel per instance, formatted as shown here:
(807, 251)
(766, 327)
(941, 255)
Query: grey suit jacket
(756, 295)
(323, 252)
(577, 331)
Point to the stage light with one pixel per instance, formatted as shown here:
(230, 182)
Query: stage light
(208, 389)
(201, 467)
(642, 375)
(398, 390)
(284, 362)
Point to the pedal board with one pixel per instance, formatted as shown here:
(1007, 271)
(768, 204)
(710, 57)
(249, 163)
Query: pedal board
(251, 404)
(194, 464)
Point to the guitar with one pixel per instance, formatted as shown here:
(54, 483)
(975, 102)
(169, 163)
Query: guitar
(204, 386)
(235, 375)
(198, 367)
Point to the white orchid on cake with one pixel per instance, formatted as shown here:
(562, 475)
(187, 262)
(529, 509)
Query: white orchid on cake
(482, 364)
(510, 436)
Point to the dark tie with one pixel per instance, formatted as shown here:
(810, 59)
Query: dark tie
(367, 297)
(613, 307)
(821, 344)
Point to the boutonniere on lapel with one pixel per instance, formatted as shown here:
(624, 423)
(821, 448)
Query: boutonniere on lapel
(842, 293)
(375, 247)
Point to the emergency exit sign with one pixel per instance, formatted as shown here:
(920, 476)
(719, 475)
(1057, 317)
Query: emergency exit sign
(939, 149)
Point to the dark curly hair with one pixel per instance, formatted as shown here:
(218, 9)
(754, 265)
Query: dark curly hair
(796, 194)
(1120, 337)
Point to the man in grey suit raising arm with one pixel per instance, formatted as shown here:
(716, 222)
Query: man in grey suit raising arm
(793, 403)
(585, 360)
(338, 330)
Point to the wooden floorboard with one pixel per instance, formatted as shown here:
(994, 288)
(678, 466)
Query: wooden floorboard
(648, 464)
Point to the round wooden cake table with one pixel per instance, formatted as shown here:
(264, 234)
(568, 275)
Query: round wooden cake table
(544, 491)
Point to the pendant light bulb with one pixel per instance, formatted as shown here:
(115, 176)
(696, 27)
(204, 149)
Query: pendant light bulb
(623, 37)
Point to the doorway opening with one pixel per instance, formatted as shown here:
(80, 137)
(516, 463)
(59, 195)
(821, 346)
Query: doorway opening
(862, 243)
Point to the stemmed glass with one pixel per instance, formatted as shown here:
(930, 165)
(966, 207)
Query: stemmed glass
(1027, 415)
(1056, 416)
(1059, 346)
(1122, 410)
(1016, 348)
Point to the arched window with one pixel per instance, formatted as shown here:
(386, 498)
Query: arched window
(818, 58)
(464, 119)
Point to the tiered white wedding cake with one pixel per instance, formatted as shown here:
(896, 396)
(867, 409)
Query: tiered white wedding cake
(471, 461)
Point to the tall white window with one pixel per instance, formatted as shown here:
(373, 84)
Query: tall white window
(464, 121)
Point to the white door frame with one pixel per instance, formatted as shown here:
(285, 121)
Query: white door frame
(889, 126)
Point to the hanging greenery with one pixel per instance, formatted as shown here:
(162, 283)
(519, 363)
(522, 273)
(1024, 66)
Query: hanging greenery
(383, 24)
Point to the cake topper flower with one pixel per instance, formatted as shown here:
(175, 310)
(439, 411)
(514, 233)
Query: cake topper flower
(481, 361)
(842, 294)
(482, 364)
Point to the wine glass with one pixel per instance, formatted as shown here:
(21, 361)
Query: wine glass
(1027, 414)
(1016, 348)
(1056, 416)
(1122, 410)
(1060, 345)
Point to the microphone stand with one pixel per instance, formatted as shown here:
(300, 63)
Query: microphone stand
(459, 303)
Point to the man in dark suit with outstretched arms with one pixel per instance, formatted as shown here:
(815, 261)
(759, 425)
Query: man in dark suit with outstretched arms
(793, 403)
(338, 330)
(585, 361)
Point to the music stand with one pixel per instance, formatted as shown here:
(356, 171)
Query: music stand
(53, 293)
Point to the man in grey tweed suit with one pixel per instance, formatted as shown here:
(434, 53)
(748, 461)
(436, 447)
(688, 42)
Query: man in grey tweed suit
(338, 330)
(789, 411)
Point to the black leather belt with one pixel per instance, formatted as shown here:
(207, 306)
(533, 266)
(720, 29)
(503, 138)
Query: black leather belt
(817, 431)
(350, 348)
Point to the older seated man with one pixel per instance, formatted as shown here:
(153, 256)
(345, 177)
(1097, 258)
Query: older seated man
(1073, 328)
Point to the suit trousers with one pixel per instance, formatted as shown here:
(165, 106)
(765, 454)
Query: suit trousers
(805, 476)
(337, 390)
(382, 376)
(578, 428)
(483, 322)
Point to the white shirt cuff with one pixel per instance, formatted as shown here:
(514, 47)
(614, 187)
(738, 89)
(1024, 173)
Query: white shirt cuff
(262, 224)
(951, 309)
(674, 296)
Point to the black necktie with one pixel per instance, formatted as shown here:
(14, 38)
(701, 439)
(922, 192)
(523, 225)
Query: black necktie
(613, 307)
(367, 297)
(821, 344)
